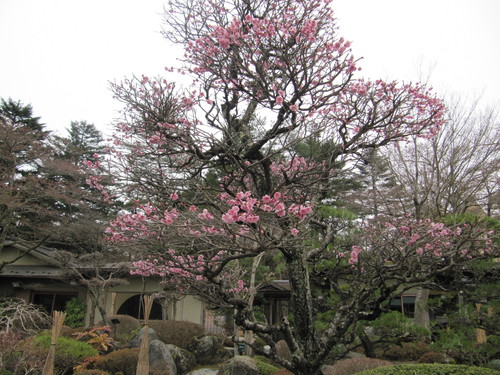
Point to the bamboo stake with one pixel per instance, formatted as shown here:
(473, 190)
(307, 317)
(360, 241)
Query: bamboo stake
(143, 363)
(57, 324)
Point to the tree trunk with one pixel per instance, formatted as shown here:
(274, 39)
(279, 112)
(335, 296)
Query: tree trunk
(301, 309)
(367, 345)
(236, 336)
(104, 315)
(91, 314)
(253, 291)
(422, 308)
(97, 298)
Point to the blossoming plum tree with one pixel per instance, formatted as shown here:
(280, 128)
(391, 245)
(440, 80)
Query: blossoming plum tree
(213, 178)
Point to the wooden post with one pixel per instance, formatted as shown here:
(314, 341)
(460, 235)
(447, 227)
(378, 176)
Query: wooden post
(57, 324)
(113, 302)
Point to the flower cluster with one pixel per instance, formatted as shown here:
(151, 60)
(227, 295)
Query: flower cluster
(407, 239)
(183, 270)
(267, 46)
(381, 110)
(242, 210)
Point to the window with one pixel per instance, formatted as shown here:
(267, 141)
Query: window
(405, 305)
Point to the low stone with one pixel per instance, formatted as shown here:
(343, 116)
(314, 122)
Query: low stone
(203, 371)
(239, 365)
(136, 341)
(160, 359)
(184, 359)
(355, 355)
(208, 349)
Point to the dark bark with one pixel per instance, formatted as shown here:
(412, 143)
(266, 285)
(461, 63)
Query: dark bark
(301, 309)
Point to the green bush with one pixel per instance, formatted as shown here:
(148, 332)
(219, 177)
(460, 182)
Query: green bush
(429, 369)
(178, 333)
(75, 312)
(123, 360)
(69, 352)
(395, 325)
(354, 365)
(460, 344)
(265, 368)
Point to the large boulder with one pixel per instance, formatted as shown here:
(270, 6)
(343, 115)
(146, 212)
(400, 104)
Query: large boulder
(136, 341)
(184, 360)
(239, 365)
(208, 349)
(160, 359)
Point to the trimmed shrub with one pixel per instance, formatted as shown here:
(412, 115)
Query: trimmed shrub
(429, 369)
(69, 352)
(407, 351)
(354, 365)
(123, 360)
(432, 357)
(125, 330)
(178, 333)
(494, 364)
(395, 326)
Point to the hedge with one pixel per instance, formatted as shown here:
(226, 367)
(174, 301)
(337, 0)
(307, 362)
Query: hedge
(429, 369)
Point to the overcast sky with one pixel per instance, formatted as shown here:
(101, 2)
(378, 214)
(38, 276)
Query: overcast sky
(59, 55)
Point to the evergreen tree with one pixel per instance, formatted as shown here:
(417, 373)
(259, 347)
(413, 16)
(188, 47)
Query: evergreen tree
(20, 114)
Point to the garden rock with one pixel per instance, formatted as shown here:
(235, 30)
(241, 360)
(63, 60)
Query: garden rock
(283, 351)
(355, 355)
(239, 365)
(184, 360)
(136, 341)
(208, 349)
(160, 359)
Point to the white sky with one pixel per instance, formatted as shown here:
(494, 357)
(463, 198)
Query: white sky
(59, 55)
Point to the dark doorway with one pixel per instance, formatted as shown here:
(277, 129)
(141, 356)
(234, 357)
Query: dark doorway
(52, 301)
(134, 307)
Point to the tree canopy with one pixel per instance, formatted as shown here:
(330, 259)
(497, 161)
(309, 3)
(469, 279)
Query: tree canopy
(218, 174)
